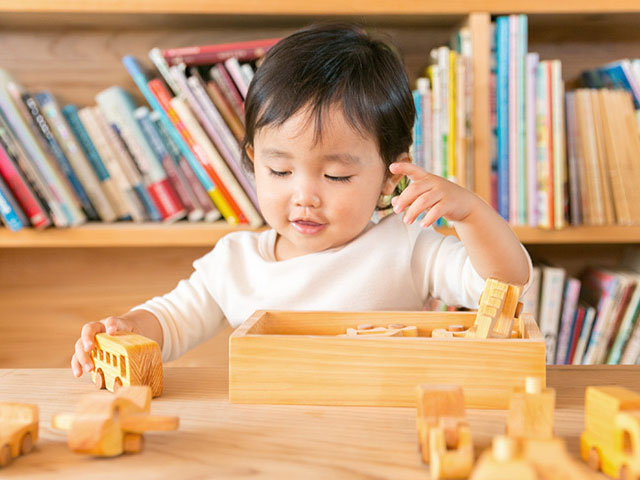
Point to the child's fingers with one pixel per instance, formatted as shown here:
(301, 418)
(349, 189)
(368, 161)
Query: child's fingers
(116, 324)
(88, 334)
(76, 367)
(431, 216)
(424, 202)
(83, 357)
(410, 194)
(411, 170)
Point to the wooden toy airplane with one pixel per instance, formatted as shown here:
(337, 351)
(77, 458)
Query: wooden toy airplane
(18, 430)
(126, 359)
(443, 433)
(107, 426)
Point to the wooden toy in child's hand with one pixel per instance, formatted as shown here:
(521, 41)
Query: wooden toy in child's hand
(18, 430)
(497, 310)
(107, 426)
(531, 411)
(611, 440)
(126, 359)
(443, 433)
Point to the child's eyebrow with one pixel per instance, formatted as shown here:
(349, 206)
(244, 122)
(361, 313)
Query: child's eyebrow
(347, 158)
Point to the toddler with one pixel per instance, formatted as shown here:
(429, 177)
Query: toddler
(329, 117)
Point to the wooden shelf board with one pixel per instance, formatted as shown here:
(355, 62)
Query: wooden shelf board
(185, 234)
(329, 7)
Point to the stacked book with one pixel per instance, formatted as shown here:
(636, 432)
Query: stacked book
(591, 319)
(528, 145)
(179, 157)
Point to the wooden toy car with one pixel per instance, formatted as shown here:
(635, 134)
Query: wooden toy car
(107, 426)
(443, 433)
(126, 359)
(611, 440)
(18, 430)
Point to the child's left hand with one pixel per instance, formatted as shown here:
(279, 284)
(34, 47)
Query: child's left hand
(432, 194)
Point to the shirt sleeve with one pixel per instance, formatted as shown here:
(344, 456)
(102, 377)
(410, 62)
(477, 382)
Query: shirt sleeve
(188, 314)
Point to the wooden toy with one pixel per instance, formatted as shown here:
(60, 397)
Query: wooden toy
(611, 440)
(497, 310)
(504, 461)
(531, 409)
(443, 433)
(551, 459)
(393, 330)
(107, 426)
(126, 359)
(18, 430)
(294, 347)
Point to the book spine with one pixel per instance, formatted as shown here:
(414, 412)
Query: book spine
(219, 74)
(416, 147)
(575, 202)
(425, 96)
(212, 121)
(220, 196)
(559, 153)
(118, 109)
(532, 60)
(21, 190)
(550, 308)
(235, 124)
(551, 195)
(571, 293)
(575, 334)
(542, 150)
(436, 153)
(77, 160)
(513, 120)
(585, 335)
(601, 287)
(626, 327)
(59, 156)
(223, 175)
(175, 175)
(502, 99)
(10, 212)
(202, 198)
(632, 350)
(233, 67)
(522, 46)
(210, 54)
(158, 60)
(451, 118)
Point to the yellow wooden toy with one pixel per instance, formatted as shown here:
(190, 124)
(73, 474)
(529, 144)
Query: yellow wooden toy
(611, 440)
(504, 461)
(18, 430)
(531, 411)
(126, 359)
(444, 436)
(107, 426)
(497, 310)
(393, 330)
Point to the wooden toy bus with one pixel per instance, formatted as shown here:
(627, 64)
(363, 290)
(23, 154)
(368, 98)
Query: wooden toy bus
(18, 430)
(126, 359)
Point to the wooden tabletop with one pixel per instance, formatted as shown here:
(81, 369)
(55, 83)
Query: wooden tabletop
(217, 439)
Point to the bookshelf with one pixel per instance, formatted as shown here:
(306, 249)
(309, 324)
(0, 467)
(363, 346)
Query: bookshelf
(74, 48)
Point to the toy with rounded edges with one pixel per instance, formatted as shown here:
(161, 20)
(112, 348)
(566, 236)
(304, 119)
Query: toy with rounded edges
(18, 430)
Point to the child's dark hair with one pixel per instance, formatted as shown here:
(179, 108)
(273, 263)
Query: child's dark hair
(327, 64)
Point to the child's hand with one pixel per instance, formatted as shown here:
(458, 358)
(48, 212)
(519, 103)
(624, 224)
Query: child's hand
(81, 360)
(431, 194)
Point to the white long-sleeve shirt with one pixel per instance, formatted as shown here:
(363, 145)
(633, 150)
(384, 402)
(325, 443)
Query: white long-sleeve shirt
(389, 266)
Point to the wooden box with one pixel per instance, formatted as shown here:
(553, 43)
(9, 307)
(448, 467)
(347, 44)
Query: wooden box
(281, 357)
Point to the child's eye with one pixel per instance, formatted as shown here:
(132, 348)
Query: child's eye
(276, 173)
(339, 179)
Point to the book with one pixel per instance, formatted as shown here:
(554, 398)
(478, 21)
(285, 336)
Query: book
(78, 162)
(513, 118)
(219, 74)
(235, 72)
(108, 183)
(551, 307)
(569, 307)
(560, 204)
(544, 146)
(618, 74)
(576, 328)
(118, 108)
(235, 124)
(631, 351)
(10, 213)
(627, 325)
(585, 335)
(502, 113)
(574, 162)
(531, 65)
(209, 54)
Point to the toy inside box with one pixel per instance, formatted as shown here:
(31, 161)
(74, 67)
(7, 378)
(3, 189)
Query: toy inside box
(321, 358)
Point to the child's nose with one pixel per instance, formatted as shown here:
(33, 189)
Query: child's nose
(306, 195)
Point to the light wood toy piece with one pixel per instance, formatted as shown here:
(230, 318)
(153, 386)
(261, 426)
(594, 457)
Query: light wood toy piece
(551, 459)
(126, 359)
(393, 330)
(107, 426)
(504, 461)
(18, 430)
(497, 310)
(611, 440)
(531, 411)
(443, 433)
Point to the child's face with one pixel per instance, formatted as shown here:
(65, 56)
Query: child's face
(316, 196)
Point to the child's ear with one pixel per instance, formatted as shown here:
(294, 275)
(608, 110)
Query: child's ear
(249, 150)
(392, 180)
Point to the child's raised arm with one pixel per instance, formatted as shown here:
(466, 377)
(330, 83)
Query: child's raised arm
(141, 322)
(493, 248)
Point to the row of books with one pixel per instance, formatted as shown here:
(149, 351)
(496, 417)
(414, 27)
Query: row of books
(586, 320)
(443, 136)
(178, 157)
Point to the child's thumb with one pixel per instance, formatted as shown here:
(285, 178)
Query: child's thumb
(116, 324)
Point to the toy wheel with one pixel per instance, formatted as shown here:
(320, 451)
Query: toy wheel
(624, 473)
(27, 444)
(117, 384)
(132, 443)
(99, 380)
(594, 459)
(5, 455)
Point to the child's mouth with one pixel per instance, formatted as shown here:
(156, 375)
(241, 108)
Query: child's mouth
(307, 227)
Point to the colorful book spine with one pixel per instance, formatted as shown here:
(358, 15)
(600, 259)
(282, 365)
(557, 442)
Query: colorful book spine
(228, 208)
(77, 160)
(600, 288)
(211, 213)
(626, 327)
(559, 150)
(176, 177)
(631, 351)
(576, 328)
(513, 120)
(219, 74)
(532, 60)
(235, 71)
(10, 212)
(118, 108)
(158, 60)
(569, 307)
(159, 101)
(217, 166)
(551, 307)
(115, 196)
(502, 107)
(543, 129)
(21, 190)
(235, 124)
(585, 335)
(210, 54)
(436, 95)
(451, 119)
(521, 145)
(416, 147)
(427, 123)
